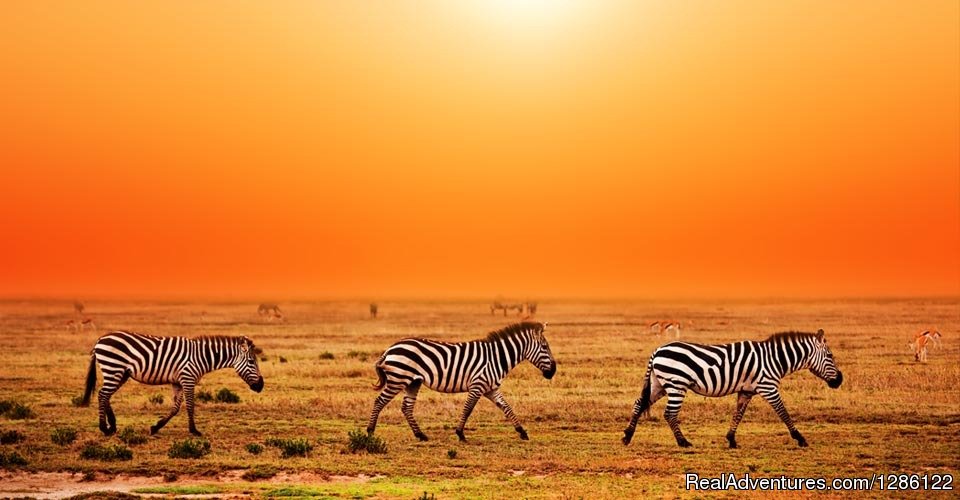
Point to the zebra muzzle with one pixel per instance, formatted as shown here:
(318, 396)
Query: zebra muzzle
(258, 385)
(550, 372)
(835, 383)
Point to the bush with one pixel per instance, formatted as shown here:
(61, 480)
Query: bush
(326, 355)
(451, 454)
(361, 441)
(204, 396)
(157, 399)
(114, 452)
(15, 410)
(11, 437)
(259, 472)
(63, 435)
(131, 436)
(189, 448)
(254, 448)
(12, 459)
(225, 395)
(291, 447)
(77, 401)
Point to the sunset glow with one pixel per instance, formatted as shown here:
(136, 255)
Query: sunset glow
(473, 149)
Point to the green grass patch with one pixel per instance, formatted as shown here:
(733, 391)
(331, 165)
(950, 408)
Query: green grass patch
(361, 441)
(254, 448)
(203, 396)
(297, 447)
(259, 472)
(63, 436)
(132, 437)
(12, 436)
(109, 453)
(225, 395)
(189, 448)
(200, 489)
(12, 459)
(15, 410)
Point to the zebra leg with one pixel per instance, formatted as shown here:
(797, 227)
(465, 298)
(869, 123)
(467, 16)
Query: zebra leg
(497, 397)
(675, 397)
(641, 406)
(472, 399)
(108, 421)
(386, 395)
(743, 399)
(410, 399)
(772, 395)
(177, 401)
(188, 387)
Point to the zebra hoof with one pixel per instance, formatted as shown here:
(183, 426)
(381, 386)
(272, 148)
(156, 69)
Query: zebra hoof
(421, 436)
(196, 432)
(154, 429)
(802, 443)
(627, 436)
(523, 435)
(683, 443)
(461, 436)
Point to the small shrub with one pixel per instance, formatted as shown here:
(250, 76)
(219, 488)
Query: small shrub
(11, 437)
(63, 435)
(110, 453)
(291, 447)
(5, 406)
(451, 454)
(131, 436)
(326, 355)
(361, 441)
(157, 399)
(264, 359)
(259, 472)
(360, 355)
(19, 411)
(189, 448)
(204, 396)
(12, 459)
(88, 476)
(427, 496)
(254, 448)
(77, 401)
(283, 359)
(225, 395)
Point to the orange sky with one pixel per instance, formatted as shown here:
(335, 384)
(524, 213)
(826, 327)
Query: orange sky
(470, 149)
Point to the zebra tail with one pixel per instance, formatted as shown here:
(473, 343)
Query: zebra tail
(381, 375)
(91, 381)
(645, 394)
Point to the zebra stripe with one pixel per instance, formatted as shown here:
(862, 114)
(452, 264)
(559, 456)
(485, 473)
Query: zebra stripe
(746, 368)
(178, 361)
(477, 367)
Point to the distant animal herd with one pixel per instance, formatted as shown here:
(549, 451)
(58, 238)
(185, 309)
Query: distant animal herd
(478, 368)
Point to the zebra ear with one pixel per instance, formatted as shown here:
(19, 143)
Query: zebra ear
(820, 334)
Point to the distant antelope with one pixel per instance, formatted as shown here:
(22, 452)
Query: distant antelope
(672, 326)
(87, 322)
(513, 307)
(496, 306)
(921, 341)
(72, 324)
(269, 310)
(373, 310)
(529, 310)
(656, 327)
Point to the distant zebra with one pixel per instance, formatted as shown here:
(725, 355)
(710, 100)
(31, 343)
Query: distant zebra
(746, 368)
(496, 306)
(269, 310)
(178, 361)
(477, 367)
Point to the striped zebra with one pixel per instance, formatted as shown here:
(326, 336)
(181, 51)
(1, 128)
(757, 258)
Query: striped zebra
(746, 368)
(477, 367)
(178, 361)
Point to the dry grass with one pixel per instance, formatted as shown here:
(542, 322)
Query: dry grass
(891, 415)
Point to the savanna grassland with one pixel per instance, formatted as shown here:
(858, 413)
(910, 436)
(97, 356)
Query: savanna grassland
(891, 414)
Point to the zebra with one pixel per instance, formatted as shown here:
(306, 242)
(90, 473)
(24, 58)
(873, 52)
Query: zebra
(178, 361)
(746, 368)
(496, 306)
(477, 367)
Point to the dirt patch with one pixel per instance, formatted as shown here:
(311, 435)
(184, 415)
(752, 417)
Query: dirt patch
(53, 485)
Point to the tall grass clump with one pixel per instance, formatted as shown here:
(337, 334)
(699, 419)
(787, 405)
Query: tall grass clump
(14, 410)
(12, 459)
(225, 395)
(361, 441)
(298, 447)
(189, 448)
(132, 436)
(12, 436)
(110, 453)
(63, 436)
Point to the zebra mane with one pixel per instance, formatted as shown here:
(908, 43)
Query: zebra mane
(231, 339)
(791, 335)
(513, 330)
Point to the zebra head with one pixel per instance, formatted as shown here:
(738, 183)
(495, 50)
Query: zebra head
(538, 352)
(822, 363)
(246, 364)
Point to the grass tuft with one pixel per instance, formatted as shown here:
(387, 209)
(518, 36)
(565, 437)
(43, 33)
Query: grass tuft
(12, 437)
(326, 355)
(14, 410)
(77, 401)
(12, 459)
(225, 395)
(361, 441)
(283, 359)
(157, 399)
(451, 454)
(189, 448)
(298, 447)
(254, 448)
(63, 435)
(132, 436)
(203, 396)
(110, 453)
(259, 472)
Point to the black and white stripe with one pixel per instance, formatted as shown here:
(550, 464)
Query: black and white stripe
(178, 361)
(746, 368)
(477, 367)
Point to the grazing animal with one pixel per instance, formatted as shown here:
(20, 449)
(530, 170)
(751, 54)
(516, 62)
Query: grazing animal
(673, 326)
(87, 323)
(373, 310)
(656, 327)
(178, 361)
(921, 340)
(513, 307)
(78, 307)
(269, 310)
(496, 306)
(477, 367)
(746, 368)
